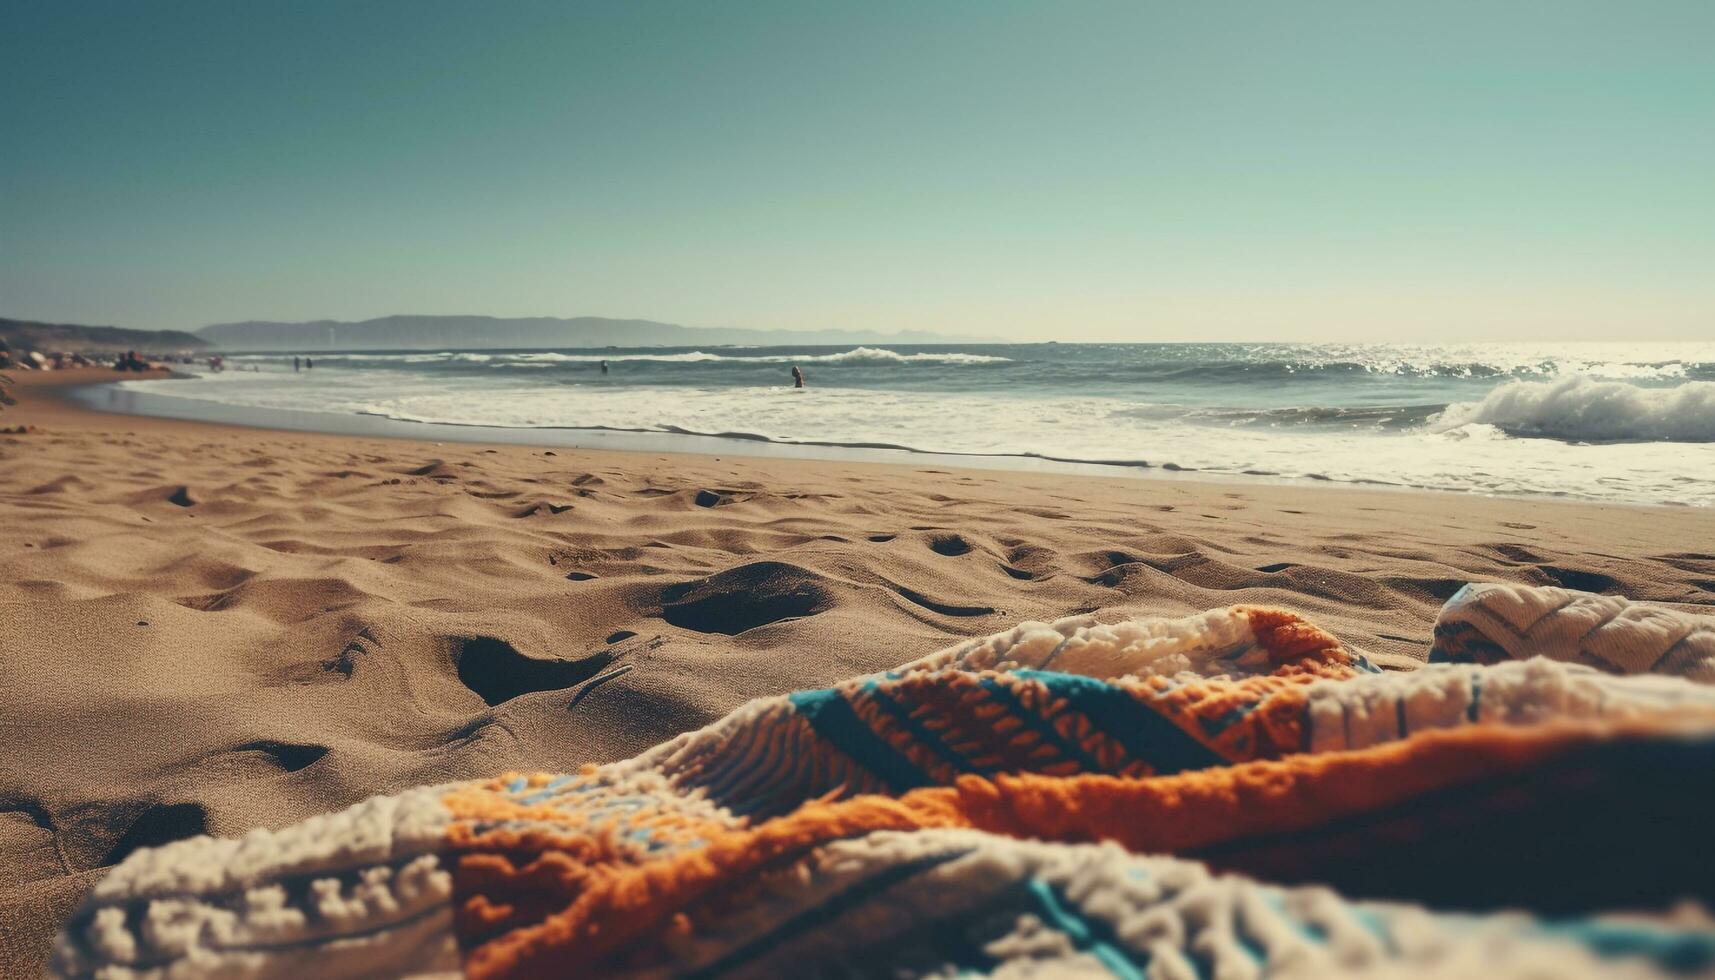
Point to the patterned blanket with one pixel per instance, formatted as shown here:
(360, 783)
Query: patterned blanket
(1060, 799)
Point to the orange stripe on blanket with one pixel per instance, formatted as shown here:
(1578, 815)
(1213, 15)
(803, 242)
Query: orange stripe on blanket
(1296, 645)
(610, 905)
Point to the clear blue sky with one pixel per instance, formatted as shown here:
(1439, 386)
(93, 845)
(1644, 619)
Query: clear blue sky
(1082, 170)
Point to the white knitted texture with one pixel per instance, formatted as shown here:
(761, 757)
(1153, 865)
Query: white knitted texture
(344, 894)
(1217, 642)
(1606, 632)
(1375, 708)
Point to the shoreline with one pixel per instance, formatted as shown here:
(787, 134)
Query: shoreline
(212, 628)
(69, 397)
(157, 404)
(102, 395)
(63, 398)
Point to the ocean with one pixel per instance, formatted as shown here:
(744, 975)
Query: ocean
(1618, 422)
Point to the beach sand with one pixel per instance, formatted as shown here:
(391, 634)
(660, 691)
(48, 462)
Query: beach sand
(206, 628)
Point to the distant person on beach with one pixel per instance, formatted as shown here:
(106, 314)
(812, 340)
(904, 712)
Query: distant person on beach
(797, 377)
(604, 365)
(297, 364)
(308, 364)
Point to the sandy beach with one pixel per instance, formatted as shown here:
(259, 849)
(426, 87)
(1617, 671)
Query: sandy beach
(211, 629)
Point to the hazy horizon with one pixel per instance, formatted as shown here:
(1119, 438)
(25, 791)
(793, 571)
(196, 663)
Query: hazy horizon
(1095, 171)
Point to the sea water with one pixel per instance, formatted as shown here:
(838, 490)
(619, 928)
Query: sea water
(1622, 422)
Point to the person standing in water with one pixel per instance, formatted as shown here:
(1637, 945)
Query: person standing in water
(797, 377)
(604, 365)
(308, 363)
(297, 364)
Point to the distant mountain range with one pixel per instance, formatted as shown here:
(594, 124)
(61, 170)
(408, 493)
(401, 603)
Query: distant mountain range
(443, 332)
(29, 335)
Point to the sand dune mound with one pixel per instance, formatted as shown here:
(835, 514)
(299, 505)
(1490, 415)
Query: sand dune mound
(101, 833)
(937, 606)
(284, 600)
(497, 672)
(288, 757)
(160, 823)
(746, 597)
(69, 483)
(951, 545)
(544, 508)
(434, 469)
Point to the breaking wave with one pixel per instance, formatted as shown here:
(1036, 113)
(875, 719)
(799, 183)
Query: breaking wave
(1582, 410)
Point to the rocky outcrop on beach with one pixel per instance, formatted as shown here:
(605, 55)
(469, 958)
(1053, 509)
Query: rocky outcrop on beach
(29, 346)
(30, 335)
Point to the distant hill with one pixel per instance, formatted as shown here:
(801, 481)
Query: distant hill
(30, 335)
(443, 332)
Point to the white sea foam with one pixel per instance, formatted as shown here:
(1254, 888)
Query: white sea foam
(860, 355)
(881, 355)
(1580, 409)
(1466, 453)
(857, 356)
(1459, 361)
(554, 357)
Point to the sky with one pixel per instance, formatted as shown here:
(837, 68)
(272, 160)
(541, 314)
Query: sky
(1117, 171)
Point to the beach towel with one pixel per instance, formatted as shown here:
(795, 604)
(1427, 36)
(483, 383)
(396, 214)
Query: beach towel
(1232, 794)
